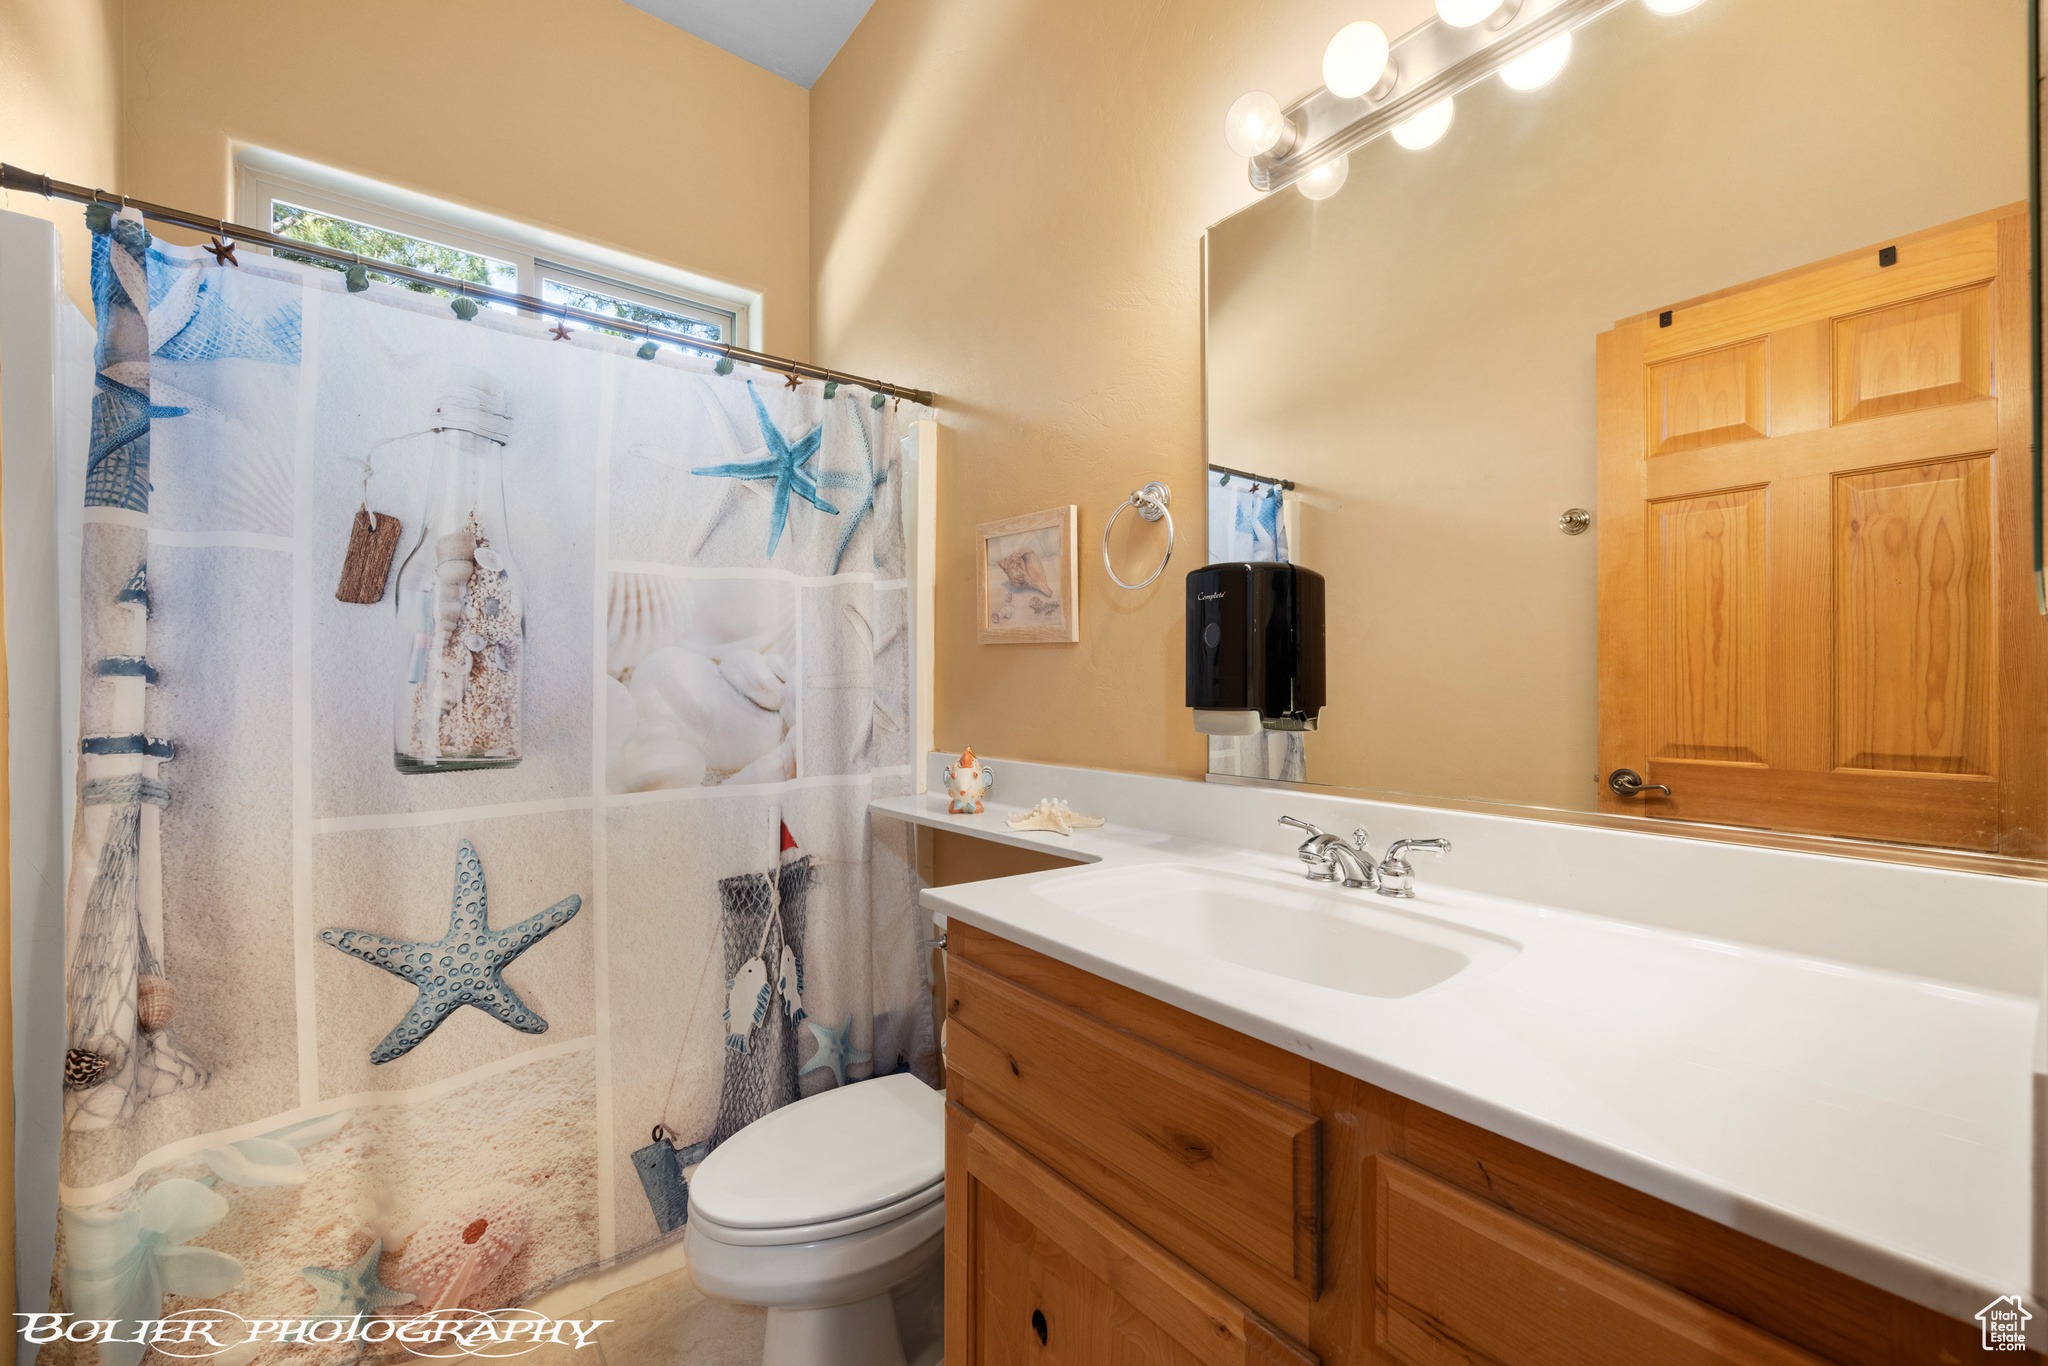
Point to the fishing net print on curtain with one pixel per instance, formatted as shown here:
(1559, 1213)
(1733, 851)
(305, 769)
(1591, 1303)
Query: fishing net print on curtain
(419, 947)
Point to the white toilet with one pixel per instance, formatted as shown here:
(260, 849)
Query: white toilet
(831, 1212)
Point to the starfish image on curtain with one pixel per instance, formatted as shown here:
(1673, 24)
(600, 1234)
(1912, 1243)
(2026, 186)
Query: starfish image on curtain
(865, 482)
(784, 464)
(464, 967)
(122, 1048)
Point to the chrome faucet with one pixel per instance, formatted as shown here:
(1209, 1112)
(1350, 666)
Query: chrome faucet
(1328, 857)
(1331, 859)
(1395, 870)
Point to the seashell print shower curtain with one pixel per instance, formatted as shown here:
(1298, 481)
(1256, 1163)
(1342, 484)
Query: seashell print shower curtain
(354, 1031)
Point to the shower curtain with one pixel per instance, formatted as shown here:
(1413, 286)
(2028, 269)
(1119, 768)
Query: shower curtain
(350, 1040)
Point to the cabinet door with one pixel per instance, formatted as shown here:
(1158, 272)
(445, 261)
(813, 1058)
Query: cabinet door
(1225, 1175)
(1458, 1282)
(1038, 1273)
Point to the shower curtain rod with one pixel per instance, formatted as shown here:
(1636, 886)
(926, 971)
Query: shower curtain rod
(1287, 484)
(14, 178)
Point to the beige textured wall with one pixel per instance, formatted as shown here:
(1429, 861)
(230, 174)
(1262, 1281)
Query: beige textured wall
(1007, 203)
(583, 116)
(60, 111)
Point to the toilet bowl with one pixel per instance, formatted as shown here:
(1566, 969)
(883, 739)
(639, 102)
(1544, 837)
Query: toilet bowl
(831, 1214)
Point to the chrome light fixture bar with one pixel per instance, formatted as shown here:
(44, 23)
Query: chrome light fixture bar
(1432, 61)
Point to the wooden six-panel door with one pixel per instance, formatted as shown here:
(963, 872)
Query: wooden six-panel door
(1816, 606)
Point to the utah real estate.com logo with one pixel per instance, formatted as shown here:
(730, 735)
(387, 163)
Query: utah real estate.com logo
(2005, 1324)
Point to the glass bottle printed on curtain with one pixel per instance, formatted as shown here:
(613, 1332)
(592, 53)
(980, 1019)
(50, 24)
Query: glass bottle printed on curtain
(460, 610)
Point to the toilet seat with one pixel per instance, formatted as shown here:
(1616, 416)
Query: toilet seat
(814, 1232)
(842, 1161)
(833, 1271)
(830, 1213)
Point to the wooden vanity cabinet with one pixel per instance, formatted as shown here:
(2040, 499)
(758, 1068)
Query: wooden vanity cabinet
(1129, 1183)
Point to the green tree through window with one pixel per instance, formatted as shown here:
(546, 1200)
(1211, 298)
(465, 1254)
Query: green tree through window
(378, 244)
(592, 301)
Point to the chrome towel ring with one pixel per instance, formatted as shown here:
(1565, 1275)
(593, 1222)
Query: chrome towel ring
(1150, 501)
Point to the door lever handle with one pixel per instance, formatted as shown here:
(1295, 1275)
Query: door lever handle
(1626, 782)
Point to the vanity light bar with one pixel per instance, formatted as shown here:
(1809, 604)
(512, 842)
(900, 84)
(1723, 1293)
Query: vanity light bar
(1432, 62)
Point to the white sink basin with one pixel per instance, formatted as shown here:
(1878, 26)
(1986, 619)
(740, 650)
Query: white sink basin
(1349, 939)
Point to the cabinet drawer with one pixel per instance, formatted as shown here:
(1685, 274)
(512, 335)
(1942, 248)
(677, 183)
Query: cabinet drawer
(1460, 1281)
(1225, 1175)
(1038, 1274)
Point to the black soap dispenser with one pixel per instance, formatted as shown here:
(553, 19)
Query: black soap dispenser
(1255, 648)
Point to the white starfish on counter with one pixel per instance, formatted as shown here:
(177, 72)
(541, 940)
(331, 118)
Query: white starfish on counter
(1052, 813)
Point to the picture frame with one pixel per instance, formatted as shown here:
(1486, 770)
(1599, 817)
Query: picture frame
(1028, 578)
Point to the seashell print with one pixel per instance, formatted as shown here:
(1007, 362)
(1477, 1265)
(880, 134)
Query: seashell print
(687, 691)
(758, 677)
(156, 1002)
(473, 643)
(490, 559)
(644, 613)
(83, 1068)
(456, 545)
(1026, 572)
(437, 1251)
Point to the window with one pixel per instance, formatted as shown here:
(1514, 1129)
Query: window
(596, 294)
(334, 209)
(382, 244)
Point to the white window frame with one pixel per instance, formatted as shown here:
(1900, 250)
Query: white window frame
(263, 176)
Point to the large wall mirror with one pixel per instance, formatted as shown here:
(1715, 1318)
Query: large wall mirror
(1748, 284)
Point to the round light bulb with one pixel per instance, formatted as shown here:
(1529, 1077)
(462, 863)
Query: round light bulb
(1425, 128)
(1326, 179)
(1254, 124)
(1355, 59)
(1465, 13)
(1670, 6)
(1538, 67)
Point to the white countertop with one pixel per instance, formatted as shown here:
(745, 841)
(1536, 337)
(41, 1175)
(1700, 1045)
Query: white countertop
(1871, 1120)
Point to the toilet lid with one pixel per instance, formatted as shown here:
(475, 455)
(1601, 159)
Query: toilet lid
(839, 1153)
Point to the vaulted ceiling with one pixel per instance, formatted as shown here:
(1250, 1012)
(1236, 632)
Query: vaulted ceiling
(795, 39)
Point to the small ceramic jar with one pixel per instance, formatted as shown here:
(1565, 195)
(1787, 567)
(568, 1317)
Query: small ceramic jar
(967, 782)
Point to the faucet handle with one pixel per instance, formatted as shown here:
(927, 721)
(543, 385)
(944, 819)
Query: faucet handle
(1395, 869)
(1400, 847)
(1313, 851)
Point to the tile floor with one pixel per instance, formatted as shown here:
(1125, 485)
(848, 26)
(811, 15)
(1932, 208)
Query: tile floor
(665, 1322)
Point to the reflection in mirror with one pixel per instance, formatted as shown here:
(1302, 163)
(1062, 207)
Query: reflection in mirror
(1805, 604)
(1253, 518)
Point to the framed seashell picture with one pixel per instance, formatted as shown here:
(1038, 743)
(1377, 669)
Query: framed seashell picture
(1029, 578)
